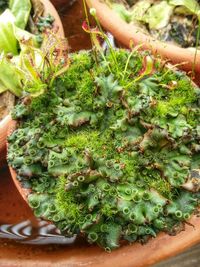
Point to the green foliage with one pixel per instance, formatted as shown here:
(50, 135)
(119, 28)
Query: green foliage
(21, 10)
(3, 5)
(109, 161)
(45, 22)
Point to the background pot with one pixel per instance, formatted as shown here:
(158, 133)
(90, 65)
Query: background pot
(4, 123)
(125, 32)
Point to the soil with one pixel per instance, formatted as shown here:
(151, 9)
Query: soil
(6, 103)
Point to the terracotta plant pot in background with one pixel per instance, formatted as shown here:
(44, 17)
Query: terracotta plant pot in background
(126, 33)
(50, 9)
(4, 123)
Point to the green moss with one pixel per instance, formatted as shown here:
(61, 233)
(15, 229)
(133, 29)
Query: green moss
(82, 60)
(106, 159)
(108, 211)
(86, 90)
(125, 73)
(83, 140)
(95, 141)
(159, 184)
(80, 63)
(128, 163)
(65, 201)
(178, 96)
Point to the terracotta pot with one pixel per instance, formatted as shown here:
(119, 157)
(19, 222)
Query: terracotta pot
(135, 255)
(50, 9)
(125, 33)
(4, 123)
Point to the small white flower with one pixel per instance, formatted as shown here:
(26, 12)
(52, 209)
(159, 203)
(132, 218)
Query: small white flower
(93, 11)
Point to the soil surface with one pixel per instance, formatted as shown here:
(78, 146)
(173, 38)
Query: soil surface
(6, 103)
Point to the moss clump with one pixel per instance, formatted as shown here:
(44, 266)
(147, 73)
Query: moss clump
(108, 160)
(66, 201)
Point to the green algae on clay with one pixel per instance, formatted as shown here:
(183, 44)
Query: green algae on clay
(110, 151)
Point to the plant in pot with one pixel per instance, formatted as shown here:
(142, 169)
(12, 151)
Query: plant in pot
(20, 21)
(168, 28)
(110, 148)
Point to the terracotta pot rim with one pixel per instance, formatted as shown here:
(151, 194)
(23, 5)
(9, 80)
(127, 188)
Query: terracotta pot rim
(134, 255)
(5, 118)
(49, 8)
(125, 32)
